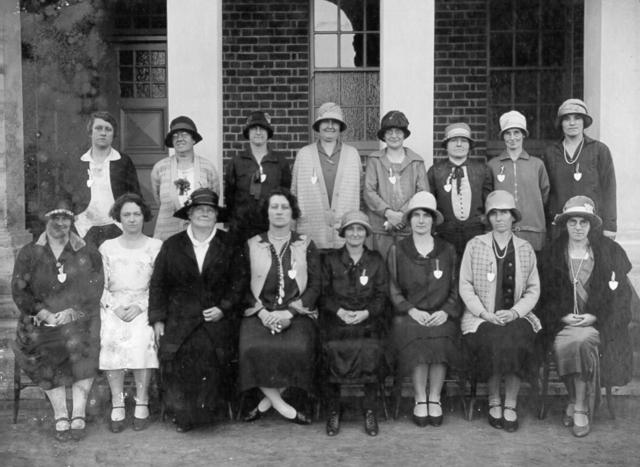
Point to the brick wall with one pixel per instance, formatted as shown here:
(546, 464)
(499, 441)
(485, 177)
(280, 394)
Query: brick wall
(460, 75)
(266, 67)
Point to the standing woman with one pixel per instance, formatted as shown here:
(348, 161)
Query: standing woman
(425, 333)
(192, 301)
(175, 178)
(251, 176)
(57, 283)
(126, 339)
(352, 318)
(579, 165)
(586, 308)
(278, 331)
(393, 175)
(499, 286)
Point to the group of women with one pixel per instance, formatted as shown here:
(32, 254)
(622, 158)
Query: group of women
(395, 298)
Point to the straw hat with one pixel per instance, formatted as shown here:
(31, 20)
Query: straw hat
(579, 206)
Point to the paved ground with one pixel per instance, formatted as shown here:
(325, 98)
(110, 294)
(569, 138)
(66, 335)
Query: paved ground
(272, 441)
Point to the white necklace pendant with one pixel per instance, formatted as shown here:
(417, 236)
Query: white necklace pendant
(364, 279)
(577, 175)
(263, 176)
(501, 176)
(62, 276)
(292, 272)
(392, 177)
(447, 187)
(613, 283)
(437, 272)
(314, 177)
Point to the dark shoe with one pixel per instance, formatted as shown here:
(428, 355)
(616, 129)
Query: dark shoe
(64, 434)
(567, 420)
(183, 427)
(421, 421)
(370, 423)
(254, 415)
(495, 422)
(140, 424)
(116, 426)
(510, 426)
(300, 419)
(78, 433)
(437, 420)
(581, 431)
(333, 423)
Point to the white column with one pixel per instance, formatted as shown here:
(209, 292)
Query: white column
(612, 92)
(407, 36)
(194, 59)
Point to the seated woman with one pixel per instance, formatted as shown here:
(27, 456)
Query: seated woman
(499, 286)
(352, 318)
(278, 333)
(192, 300)
(586, 308)
(126, 339)
(57, 283)
(424, 333)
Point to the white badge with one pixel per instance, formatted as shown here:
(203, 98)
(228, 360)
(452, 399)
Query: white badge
(500, 176)
(314, 177)
(292, 272)
(62, 277)
(90, 179)
(364, 279)
(437, 272)
(263, 177)
(447, 187)
(491, 276)
(392, 178)
(613, 283)
(577, 176)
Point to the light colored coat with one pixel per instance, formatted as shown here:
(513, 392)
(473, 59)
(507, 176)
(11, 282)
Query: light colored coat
(319, 219)
(478, 293)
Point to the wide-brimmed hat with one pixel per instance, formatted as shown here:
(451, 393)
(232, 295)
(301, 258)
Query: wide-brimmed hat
(62, 206)
(182, 123)
(579, 206)
(513, 120)
(200, 197)
(574, 106)
(261, 119)
(456, 130)
(329, 111)
(354, 217)
(423, 200)
(503, 201)
(394, 119)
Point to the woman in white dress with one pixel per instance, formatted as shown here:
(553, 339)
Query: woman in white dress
(126, 339)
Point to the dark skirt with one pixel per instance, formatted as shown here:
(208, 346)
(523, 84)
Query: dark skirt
(193, 378)
(508, 349)
(413, 344)
(286, 359)
(352, 352)
(58, 356)
(576, 351)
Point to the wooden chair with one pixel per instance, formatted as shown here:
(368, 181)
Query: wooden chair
(18, 385)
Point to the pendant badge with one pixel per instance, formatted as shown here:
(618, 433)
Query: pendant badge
(392, 177)
(364, 279)
(314, 177)
(447, 187)
(62, 276)
(263, 176)
(577, 175)
(90, 179)
(613, 283)
(292, 272)
(437, 272)
(501, 175)
(491, 276)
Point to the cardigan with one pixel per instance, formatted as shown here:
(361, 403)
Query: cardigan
(319, 219)
(165, 193)
(479, 293)
(380, 194)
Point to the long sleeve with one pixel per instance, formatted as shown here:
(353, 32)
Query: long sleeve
(452, 305)
(487, 183)
(21, 285)
(467, 291)
(285, 174)
(158, 289)
(328, 299)
(132, 185)
(91, 283)
(543, 183)
(381, 285)
(531, 292)
(607, 177)
(400, 304)
(314, 282)
(230, 185)
(156, 182)
(371, 196)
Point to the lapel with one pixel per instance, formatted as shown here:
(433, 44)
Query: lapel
(315, 163)
(339, 175)
(212, 252)
(187, 250)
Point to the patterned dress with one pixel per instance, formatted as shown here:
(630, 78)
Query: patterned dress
(127, 274)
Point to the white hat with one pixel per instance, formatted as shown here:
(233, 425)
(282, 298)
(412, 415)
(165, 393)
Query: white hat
(330, 111)
(513, 119)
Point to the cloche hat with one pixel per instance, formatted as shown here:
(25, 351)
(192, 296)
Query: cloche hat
(182, 123)
(456, 130)
(354, 217)
(394, 119)
(424, 200)
(579, 206)
(261, 119)
(504, 201)
(513, 119)
(574, 106)
(329, 111)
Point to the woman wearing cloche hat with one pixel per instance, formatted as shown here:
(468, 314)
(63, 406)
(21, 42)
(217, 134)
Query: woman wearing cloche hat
(499, 286)
(393, 175)
(175, 177)
(580, 165)
(425, 332)
(586, 310)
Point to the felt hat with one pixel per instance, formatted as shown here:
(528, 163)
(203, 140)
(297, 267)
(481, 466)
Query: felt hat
(200, 197)
(423, 200)
(354, 217)
(456, 130)
(393, 119)
(182, 123)
(513, 120)
(261, 119)
(504, 201)
(574, 106)
(329, 111)
(579, 206)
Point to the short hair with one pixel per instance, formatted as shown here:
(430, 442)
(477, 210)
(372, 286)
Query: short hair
(102, 115)
(115, 210)
(293, 202)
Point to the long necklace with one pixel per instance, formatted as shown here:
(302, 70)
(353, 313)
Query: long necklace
(574, 280)
(496, 249)
(567, 157)
(279, 257)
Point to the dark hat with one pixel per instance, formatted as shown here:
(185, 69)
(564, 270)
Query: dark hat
(62, 206)
(457, 130)
(261, 119)
(200, 197)
(182, 123)
(394, 119)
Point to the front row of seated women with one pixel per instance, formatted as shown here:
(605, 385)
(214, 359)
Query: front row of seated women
(293, 311)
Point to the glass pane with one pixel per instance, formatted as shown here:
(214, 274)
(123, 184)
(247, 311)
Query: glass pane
(493, 123)
(551, 90)
(547, 122)
(372, 89)
(372, 20)
(372, 118)
(158, 90)
(527, 14)
(126, 57)
(142, 74)
(355, 123)
(531, 114)
(554, 15)
(500, 87)
(126, 73)
(141, 22)
(351, 53)
(142, 57)
(126, 90)
(526, 49)
(158, 58)
(500, 15)
(373, 50)
(352, 90)
(351, 18)
(553, 49)
(158, 75)
(327, 88)
(326, 50)
(526, 88)
(325, 16)
(143, 90)
(501, 49)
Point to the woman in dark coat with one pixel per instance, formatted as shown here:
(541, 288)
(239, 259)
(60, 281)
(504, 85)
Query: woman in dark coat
(352, 318)
(278, 334)
(425, 333)
(586, 309)
(251, 176)
(57, 284)
(191, 307)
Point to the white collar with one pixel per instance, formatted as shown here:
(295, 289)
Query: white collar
(114, 155)
(198, 243)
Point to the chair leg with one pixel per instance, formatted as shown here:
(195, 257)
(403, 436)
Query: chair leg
(542, 411)
(383, 396)
(610, 403)
(17, 387)
(472, 399)
(241, 406)
(397, 395)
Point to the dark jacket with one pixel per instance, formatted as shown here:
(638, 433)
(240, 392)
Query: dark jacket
(612, 308)
(179, 292)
